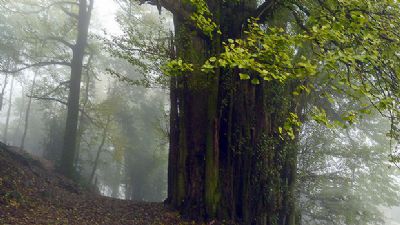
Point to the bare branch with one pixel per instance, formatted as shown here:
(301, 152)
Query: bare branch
(66, 104)
(48, 99)
(41, 7)
(57, 88)
(176, 7)
(39, 64)
(73, 15)
(59, 39)
(264, 9)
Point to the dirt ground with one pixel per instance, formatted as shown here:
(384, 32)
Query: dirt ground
(31, 193)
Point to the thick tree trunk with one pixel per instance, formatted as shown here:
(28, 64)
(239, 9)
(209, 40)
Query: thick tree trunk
(70, 136)
(173, 140)
(28, 111)
(227, 159)
(8, 111)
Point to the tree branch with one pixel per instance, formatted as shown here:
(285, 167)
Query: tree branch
(59, 39)
(66, 104)
(264, 9)
(39, 64)
(48, 99)
(73, 15)
(176, 7)
(41, 7)
(58, 87)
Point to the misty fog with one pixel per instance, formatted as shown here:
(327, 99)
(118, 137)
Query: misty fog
(345, 174)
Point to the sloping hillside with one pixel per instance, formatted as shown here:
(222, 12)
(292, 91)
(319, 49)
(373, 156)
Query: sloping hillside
(31, 193)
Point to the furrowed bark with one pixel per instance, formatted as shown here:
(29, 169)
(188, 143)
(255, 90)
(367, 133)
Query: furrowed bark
(227, 159)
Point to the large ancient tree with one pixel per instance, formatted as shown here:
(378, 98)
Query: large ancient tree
(227, 159)
(241, 73)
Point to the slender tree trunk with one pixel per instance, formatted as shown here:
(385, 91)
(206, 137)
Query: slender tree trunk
(115, 193)
(28, 110)
(100, 149)
(70, 136)
(82, 121)
(8, 111)
(128, 191)
(18, 131)
(3, 91)
(227, 159)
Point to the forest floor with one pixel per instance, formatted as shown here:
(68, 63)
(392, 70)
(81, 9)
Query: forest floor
(32, 193)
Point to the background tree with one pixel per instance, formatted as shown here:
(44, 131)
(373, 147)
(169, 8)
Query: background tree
(78, 49)
(51, 25)
(342, 171)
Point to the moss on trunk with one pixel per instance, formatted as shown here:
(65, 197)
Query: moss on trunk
(229, 162)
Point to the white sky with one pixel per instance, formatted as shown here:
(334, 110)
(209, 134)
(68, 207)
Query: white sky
(104, 16)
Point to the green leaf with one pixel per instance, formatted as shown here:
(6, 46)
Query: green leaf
(255, 81)
(244, 76)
